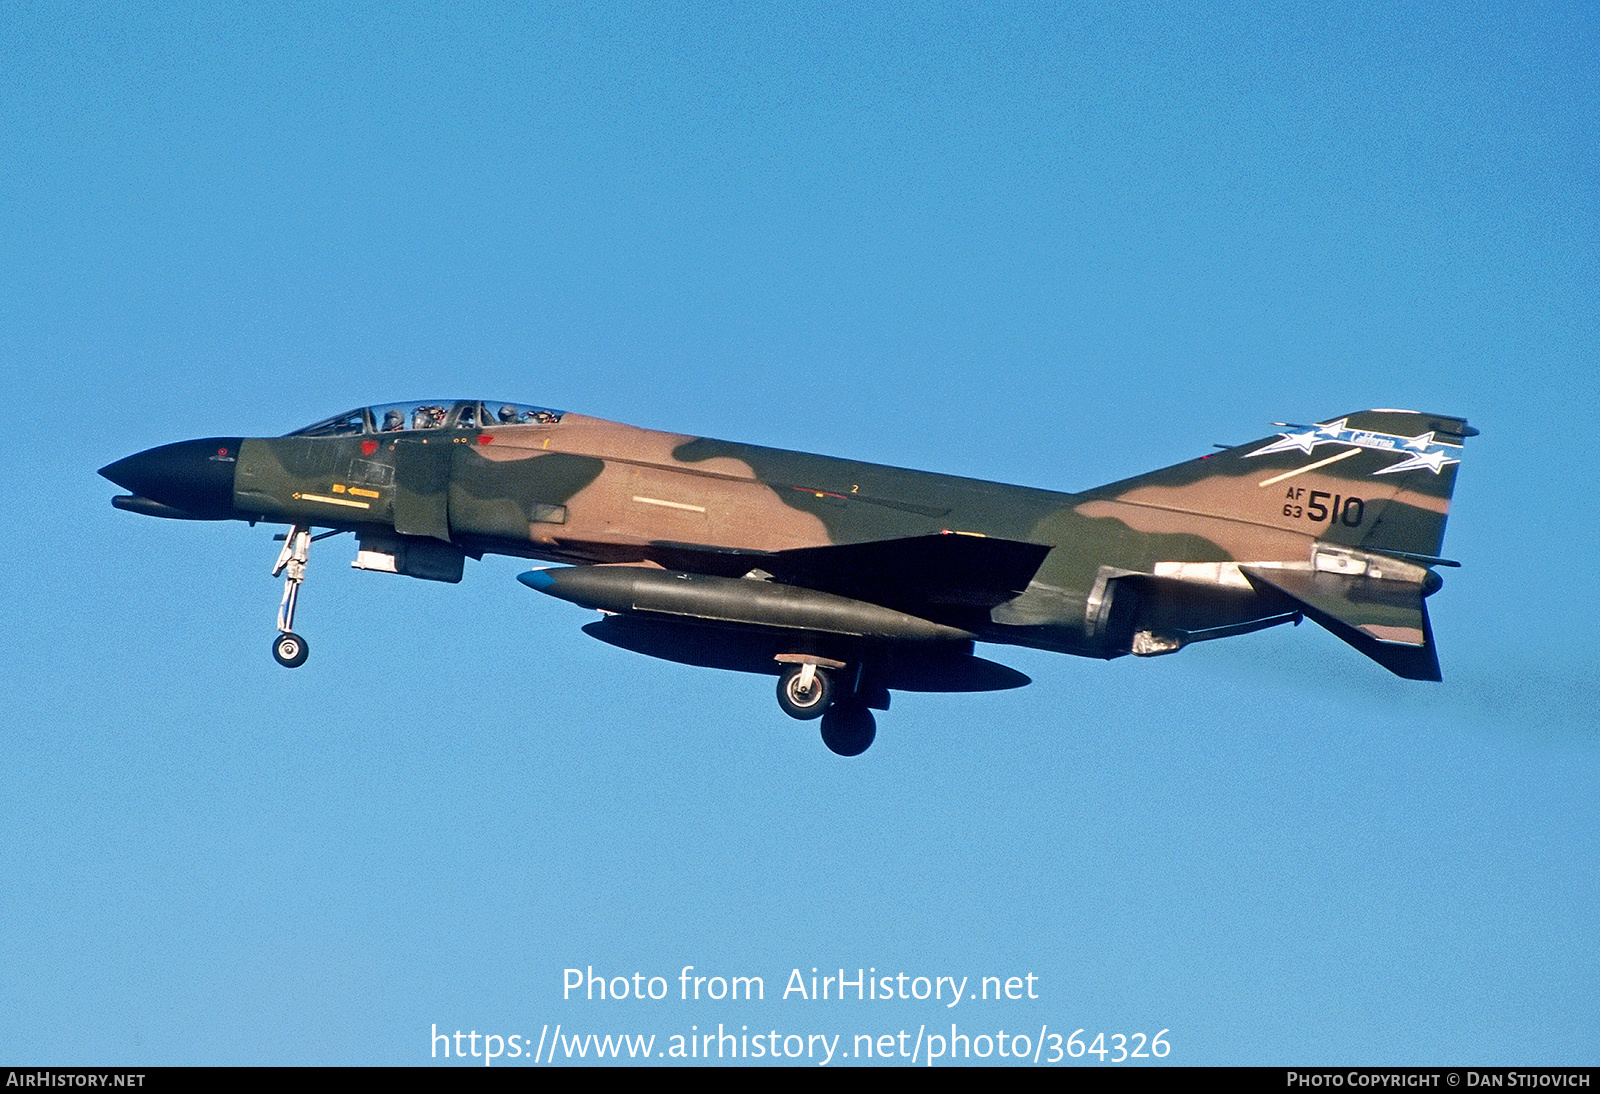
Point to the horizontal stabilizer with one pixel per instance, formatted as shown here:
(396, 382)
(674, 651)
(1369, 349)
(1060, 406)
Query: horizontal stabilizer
(1386, 620)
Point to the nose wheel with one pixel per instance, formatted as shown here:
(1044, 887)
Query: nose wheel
(290, 650)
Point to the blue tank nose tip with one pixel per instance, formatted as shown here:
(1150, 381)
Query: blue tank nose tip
(537, 579)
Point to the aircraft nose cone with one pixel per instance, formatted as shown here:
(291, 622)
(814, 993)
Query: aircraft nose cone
(193, 476)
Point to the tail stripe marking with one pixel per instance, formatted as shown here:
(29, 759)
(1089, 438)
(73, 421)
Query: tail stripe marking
(1308, 467)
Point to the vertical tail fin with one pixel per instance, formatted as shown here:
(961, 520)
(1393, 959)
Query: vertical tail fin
(1387, 474)
(1376, 480)
(1344, 518)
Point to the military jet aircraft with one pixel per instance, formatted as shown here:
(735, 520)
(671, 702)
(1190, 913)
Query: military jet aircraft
(850, 580)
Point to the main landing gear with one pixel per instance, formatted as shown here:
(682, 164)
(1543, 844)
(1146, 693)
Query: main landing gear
(807, 689)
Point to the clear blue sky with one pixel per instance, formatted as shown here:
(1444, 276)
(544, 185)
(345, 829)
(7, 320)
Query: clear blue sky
(1045, 244)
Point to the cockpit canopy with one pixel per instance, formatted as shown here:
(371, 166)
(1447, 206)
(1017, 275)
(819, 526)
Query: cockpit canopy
(430, 414)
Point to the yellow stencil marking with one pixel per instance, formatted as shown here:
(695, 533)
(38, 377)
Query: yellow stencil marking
(334, 501)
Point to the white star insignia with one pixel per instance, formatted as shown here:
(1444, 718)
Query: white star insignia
(1434, 461)
(1305, 442)
(1420, 451)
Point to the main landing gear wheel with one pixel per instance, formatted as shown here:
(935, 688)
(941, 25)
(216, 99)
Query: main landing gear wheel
(848, 729)
(804, 691)
(290, 650)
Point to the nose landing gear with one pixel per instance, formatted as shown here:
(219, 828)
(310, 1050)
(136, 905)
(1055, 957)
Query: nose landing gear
(289, 649)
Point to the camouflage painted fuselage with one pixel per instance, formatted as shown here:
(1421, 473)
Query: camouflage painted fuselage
(1341, 522)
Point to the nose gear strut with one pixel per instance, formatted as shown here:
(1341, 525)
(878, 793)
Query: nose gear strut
(289, 649)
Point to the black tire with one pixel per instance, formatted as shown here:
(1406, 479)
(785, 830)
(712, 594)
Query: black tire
(849, 729)
(806, 704)
(290, 650)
